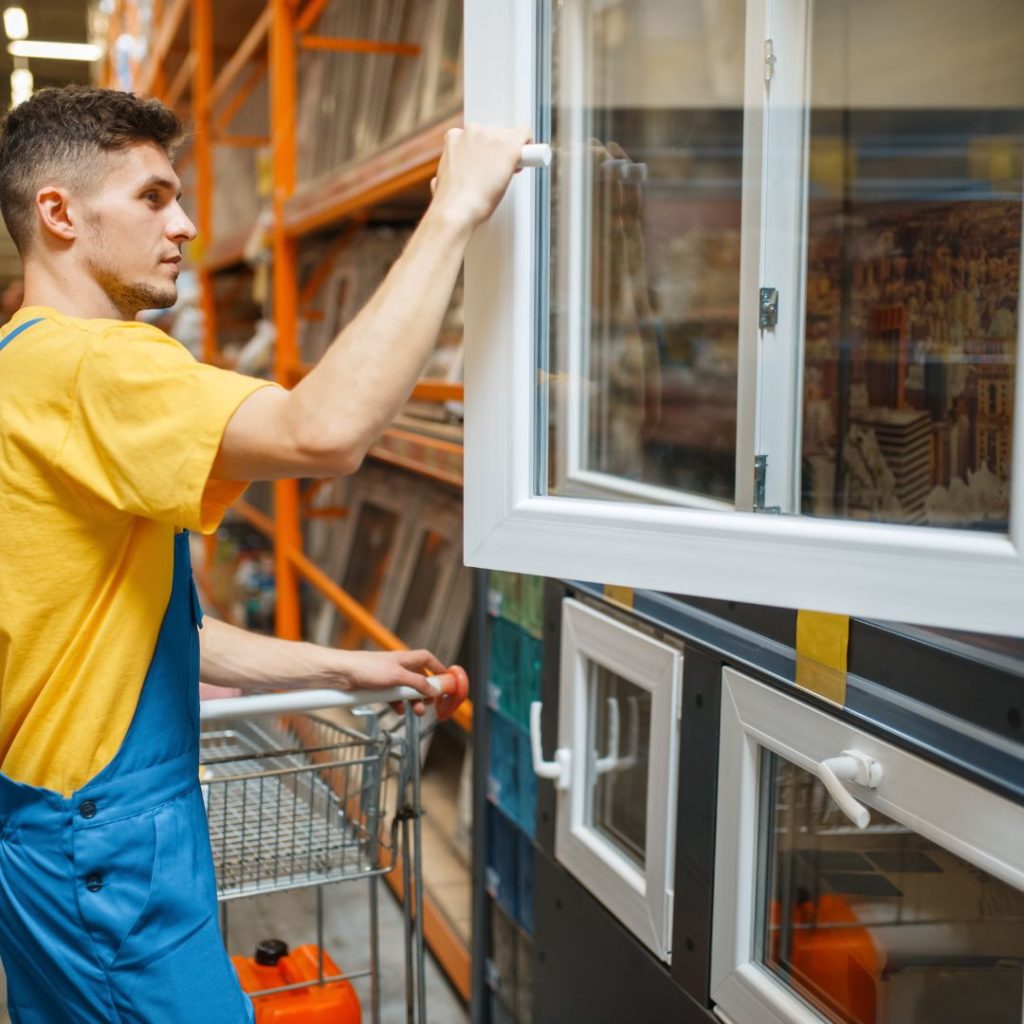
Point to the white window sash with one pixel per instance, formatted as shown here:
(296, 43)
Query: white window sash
(950, 578)
(642, 898)
(970, 822)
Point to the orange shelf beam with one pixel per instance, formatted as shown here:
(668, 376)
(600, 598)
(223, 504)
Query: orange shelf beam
(310, 15)
(286, 305)
(428, 389)
(431, 390)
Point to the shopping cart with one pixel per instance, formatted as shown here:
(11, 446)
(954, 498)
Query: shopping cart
(299, 795)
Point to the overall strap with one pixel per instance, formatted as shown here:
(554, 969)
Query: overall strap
(4, 342)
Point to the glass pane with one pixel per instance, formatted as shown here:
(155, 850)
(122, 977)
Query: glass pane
(882, 926)
(432, 559)
(620, 715)
(647, 130)
(368, 565)
(913, 260)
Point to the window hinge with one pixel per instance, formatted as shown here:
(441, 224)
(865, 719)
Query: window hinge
(768, 308)
(760, 479)
(769, 60)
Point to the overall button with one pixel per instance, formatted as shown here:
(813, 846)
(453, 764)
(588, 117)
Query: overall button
(94, 882)
(88, 809)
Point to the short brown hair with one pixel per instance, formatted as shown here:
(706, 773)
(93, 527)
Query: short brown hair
(63, 132)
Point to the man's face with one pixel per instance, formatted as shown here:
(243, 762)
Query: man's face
(133, 228)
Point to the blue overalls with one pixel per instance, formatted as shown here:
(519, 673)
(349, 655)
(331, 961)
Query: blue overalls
(108, 908)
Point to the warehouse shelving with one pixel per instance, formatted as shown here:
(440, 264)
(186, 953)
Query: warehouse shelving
(208, 72)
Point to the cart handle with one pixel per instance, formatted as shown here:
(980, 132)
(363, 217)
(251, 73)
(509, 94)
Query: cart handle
(299, 701)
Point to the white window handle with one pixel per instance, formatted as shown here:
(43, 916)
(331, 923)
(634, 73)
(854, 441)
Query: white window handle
(557, 769)
(851, 766)
(535, 154)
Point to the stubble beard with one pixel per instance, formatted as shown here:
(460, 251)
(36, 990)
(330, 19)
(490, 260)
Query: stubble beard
(131, 297)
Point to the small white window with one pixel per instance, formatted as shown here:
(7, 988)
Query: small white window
(855, 882)
(618, 740)
(754, 334)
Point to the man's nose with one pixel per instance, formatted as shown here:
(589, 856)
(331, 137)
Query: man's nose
(180, 228)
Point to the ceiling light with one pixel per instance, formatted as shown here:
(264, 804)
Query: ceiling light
(21, 85)
(54, 51)
(16, 23)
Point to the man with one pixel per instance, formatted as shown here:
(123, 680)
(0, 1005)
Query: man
(113, 442)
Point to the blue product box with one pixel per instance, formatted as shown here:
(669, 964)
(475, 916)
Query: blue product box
(526, 787)
(504, 667)
(503, 778)
(530, 667)
(524, 884)
(502, 875)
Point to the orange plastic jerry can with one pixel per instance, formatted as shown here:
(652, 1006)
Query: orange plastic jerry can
(273, 966)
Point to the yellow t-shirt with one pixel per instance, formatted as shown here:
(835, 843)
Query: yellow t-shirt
(108, 431)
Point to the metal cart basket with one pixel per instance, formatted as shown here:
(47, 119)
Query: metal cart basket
(298, 799)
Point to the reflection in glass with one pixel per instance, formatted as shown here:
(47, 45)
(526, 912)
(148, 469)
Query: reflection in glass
(620, 730)
(881, 926)
(368, 565)
(434, 555)
(913, 260)
(647, 126)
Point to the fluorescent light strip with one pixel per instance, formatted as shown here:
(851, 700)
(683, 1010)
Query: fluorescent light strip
(16, 23)
(54, 51)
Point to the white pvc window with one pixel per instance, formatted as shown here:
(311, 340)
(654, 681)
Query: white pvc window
(855, 882)
(618, 727)
(627, 407)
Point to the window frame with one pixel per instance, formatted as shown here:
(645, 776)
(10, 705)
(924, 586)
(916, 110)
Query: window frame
(959, 815)
(641, 898)
(875, 570)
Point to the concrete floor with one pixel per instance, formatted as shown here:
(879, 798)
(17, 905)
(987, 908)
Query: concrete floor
(292, 916)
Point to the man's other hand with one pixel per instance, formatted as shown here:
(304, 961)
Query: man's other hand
(447, 688)
(476, 166)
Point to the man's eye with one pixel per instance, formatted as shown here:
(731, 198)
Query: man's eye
(152, 197)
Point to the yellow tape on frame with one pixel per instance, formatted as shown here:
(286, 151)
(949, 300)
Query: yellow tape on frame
(822, 650)
(619, 595)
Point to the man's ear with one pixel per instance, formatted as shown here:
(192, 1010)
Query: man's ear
(53, 204)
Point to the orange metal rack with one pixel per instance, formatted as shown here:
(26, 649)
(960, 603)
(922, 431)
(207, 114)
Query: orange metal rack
(185, 70)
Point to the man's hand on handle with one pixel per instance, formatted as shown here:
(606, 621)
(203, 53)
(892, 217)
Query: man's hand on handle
(476, 167)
